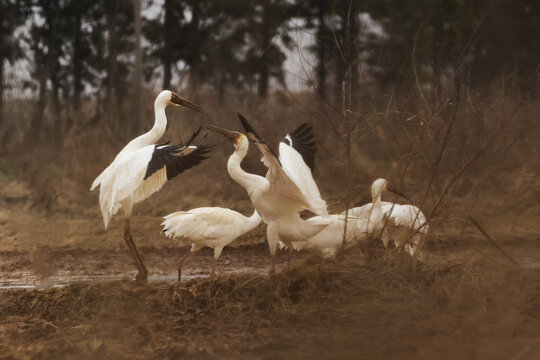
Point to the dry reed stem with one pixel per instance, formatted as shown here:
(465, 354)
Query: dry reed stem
(493, 242)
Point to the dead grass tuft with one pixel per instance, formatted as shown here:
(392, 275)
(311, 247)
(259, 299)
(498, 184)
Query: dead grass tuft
(380, 306)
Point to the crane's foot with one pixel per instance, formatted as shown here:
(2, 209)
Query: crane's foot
(272, 267)
(180, 272)
(141, 277)
(272, 271)
(213, 268)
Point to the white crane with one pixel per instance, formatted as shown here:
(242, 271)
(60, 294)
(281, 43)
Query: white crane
(406, 224)
(214, 227)
(361, 225)
(288, 187)
(329, 241)
(142, 168)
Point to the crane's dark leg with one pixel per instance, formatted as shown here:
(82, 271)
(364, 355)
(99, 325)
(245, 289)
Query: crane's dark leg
(273, 264)
(142, 275)
(213, 268)
(181, 263)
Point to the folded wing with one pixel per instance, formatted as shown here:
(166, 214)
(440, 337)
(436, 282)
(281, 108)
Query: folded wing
(138, 174)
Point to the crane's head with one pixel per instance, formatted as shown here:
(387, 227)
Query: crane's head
(381, 185)
(167, 97)
(238, 139)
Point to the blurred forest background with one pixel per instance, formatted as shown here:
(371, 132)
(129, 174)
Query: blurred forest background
(442, 97)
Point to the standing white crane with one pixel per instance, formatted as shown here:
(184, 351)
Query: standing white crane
(142, 168)
(214, 227)
(361, 225)
(406, 224)
(288, 187)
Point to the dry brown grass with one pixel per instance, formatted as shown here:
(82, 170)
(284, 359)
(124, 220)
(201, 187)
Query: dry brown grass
(385, 306)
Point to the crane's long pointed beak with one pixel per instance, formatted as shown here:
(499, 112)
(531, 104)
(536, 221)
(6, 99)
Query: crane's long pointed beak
(231, 135)
(178, 100)
(395, 191)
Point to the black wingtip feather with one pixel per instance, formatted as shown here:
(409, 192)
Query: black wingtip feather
(254, 136)
(302, 141)
(245, 123)
(248, 128)
(172, 159)
(193, 136)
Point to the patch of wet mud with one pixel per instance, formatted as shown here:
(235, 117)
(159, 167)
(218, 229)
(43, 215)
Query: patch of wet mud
(59, 267)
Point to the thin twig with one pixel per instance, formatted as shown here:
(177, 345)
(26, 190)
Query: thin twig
(506, 255)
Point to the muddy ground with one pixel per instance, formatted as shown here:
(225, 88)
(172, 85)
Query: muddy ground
(470, 304)
(73, 297)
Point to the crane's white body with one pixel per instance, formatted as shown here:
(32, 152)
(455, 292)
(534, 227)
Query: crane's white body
(214, 227)
(330, 240)
(406, 224)
(121, 183)
(278, 197)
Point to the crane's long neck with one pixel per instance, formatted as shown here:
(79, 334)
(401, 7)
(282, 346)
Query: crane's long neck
(376, 216)
(253, 221)
(160, 124)
(152, 136)
(236, 171)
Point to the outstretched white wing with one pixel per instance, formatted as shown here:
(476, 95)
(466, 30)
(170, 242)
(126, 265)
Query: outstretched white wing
(282, 178)
(297, 156)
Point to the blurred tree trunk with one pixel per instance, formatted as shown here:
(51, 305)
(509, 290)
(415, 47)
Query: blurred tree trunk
(192, 58)
(37, 120)
(52, 19)
(1, 89)
(112, 66)
(2, 55)
(167, 48)
(354, 47)
(436, 41)
(77, 62)
(137, 86)
(264, 66)
(349, 56)
(321, 70)
(262, 86)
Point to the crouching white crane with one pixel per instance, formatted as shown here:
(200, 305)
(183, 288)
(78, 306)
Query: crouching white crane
(329, 241)
(214, 227)
(361, 225)
(406, 224)
(288, 187)
(142, 168)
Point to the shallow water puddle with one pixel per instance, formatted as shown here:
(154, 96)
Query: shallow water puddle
(18, 284)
